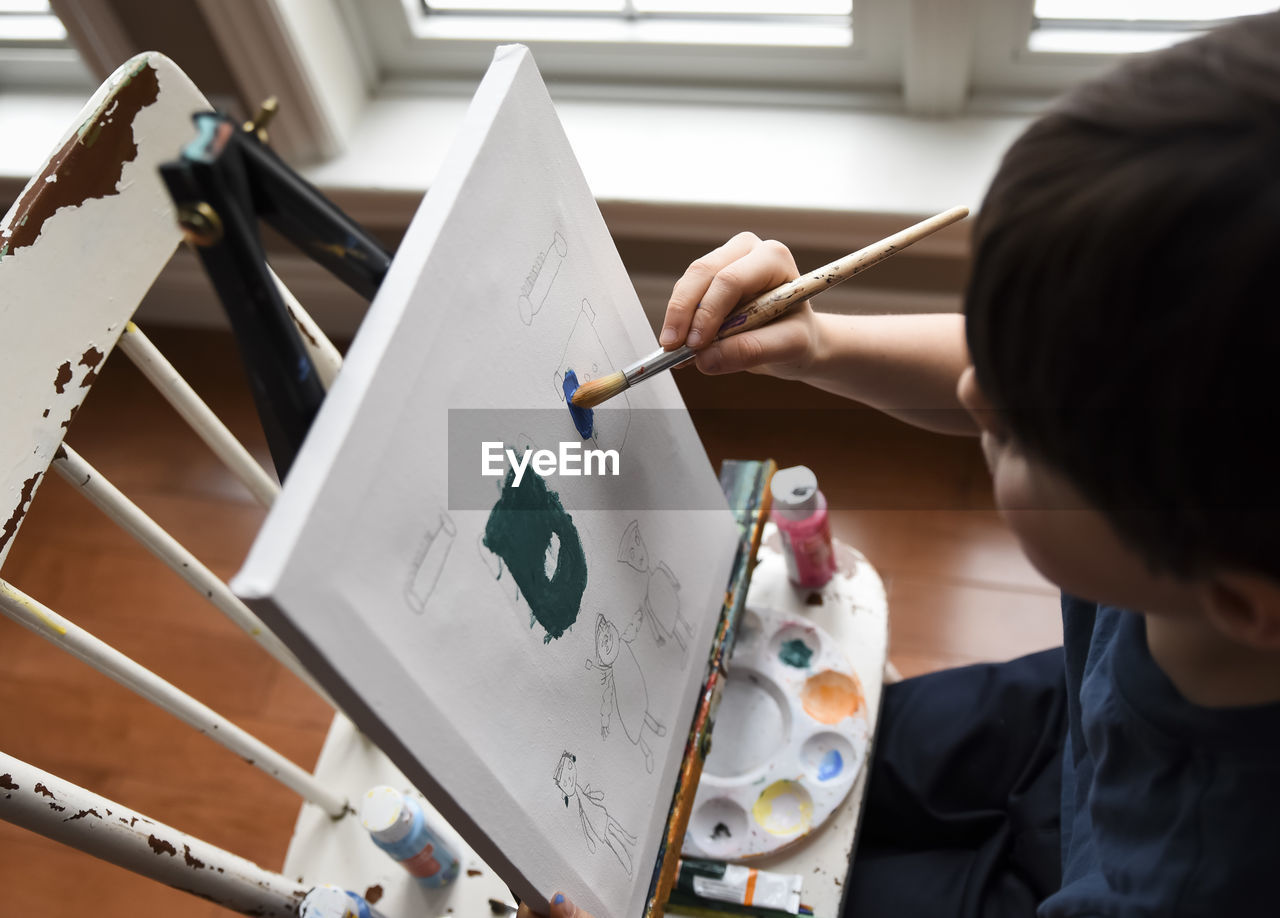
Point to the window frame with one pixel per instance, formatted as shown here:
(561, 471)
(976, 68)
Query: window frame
(42, 63)
(1006, 63)
(408, 51)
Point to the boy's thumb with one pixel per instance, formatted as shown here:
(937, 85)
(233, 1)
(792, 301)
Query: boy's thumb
(561, 907)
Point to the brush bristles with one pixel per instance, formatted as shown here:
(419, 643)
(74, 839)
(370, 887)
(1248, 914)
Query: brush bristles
(592, 393)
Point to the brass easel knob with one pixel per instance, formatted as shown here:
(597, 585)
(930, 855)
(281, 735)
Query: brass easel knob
(257, 125)
(200, 223)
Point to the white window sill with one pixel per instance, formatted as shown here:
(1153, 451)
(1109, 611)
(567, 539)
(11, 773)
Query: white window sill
(821, 177)
(699, 171)
(690, 171)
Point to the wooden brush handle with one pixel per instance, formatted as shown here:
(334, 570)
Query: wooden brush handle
(769, 306)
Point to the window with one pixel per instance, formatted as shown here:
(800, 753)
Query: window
(927, 56)
(30, 22)
(1047, 45)
(821, 23)
(585, 44)
(34, 50)
(1123, 26)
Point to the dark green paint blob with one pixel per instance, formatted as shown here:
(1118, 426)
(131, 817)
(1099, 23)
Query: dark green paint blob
(519, 532)
(795, 653)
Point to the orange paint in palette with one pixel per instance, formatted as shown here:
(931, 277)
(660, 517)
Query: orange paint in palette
(829, 697)
(789, 741)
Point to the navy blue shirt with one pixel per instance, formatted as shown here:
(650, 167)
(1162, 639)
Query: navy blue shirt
(1168, 808)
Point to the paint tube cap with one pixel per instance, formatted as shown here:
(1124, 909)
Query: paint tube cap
(795, 492)
(329, 902)
(385, 814)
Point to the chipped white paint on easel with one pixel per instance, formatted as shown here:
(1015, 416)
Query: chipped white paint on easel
(78, 250)
(64, 812)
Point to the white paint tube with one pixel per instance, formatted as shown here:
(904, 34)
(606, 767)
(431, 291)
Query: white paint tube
(740, 885)
(329, 901)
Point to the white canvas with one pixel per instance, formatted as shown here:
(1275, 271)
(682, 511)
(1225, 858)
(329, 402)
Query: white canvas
(506, 279)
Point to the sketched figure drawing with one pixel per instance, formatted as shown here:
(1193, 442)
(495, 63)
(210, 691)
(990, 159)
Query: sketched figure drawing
(585, 355)
(533, 294)
(625, 691)
(597, 824)
(429, 563)
(661, 603)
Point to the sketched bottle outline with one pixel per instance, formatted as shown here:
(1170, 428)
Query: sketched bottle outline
(533, 294)
(429, 563)
(585, 354)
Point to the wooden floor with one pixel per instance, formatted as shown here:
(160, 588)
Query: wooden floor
(917, 505)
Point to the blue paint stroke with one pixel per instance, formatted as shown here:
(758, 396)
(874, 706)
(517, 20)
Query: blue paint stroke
(583, 418)
(831, 765)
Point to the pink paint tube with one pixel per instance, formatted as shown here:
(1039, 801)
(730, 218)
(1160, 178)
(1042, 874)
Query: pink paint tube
(800, 513)
(399, 827)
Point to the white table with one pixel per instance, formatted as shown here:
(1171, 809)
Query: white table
(853, 610)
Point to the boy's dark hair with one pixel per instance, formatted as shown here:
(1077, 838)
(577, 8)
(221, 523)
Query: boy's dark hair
(1123, 310)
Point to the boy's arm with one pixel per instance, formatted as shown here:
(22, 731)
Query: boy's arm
(904, 365)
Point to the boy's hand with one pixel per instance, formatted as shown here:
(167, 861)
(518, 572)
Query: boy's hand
(741, 269)
(561, 907)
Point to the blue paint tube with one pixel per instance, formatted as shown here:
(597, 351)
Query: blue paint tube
(329, 901)
(398, 826)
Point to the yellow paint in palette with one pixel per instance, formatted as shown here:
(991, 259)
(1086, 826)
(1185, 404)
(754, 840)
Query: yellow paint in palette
(784, 808)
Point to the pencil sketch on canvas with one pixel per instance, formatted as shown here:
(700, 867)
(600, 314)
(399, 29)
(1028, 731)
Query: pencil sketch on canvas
(454, 632)
(626, 693)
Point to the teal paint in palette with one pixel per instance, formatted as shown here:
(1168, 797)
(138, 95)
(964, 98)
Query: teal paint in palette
(795, 653)
(398, 825)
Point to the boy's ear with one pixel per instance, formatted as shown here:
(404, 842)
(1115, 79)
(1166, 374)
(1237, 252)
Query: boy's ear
(1245, 607)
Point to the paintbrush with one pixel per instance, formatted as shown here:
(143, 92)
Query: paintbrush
(766, 307)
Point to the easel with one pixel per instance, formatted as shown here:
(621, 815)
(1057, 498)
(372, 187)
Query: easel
(224, 181)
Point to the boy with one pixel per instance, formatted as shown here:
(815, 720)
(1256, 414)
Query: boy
(1122, 324)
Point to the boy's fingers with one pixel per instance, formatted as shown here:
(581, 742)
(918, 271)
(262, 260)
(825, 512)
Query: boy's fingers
(781, 342)
(688, 291)
(764, 267)
(561, 907)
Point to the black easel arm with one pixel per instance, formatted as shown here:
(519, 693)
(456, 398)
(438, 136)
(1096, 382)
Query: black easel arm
(223, 183)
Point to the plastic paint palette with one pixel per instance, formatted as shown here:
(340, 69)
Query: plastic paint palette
(789, 740)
